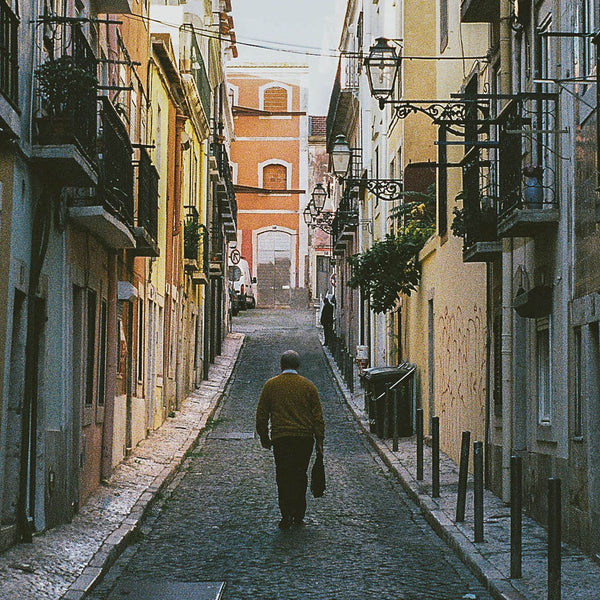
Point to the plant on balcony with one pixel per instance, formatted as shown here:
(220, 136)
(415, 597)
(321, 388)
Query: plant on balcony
(390, 266)
(64, 86)
(479, 224)
(191, 239)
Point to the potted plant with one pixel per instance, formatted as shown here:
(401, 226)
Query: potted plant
(533, 191)
(67, 90)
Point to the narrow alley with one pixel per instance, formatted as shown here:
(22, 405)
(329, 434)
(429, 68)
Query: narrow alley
(217, 521)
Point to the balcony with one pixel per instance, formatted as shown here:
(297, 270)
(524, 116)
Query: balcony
(528, 204)
(146, 230)
(122, 7)
(64, 141)
(479, 11)
(343, 102)
(226, 192)
(9, 69)
(108, 213)
(477, 222)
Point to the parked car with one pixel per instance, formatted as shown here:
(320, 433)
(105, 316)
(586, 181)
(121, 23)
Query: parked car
(243, 284)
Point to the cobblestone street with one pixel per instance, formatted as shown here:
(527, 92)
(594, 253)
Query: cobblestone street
(217, 521)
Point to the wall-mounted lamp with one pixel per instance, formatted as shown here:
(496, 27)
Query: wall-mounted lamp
(382, 65)
(341, 157)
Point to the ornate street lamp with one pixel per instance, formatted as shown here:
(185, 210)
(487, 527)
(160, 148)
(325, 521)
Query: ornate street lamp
(318, 196)
(382, 65)
(340, 156)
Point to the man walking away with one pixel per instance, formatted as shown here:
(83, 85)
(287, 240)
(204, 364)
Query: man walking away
(291, 403)
(327, 320)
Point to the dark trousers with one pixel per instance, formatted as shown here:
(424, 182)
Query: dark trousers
(292, 455)
(328, 331)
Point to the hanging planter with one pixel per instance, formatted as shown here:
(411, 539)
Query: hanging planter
(535, 303)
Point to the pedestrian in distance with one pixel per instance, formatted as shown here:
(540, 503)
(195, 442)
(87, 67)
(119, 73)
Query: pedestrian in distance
(291, 404)
(327, 320)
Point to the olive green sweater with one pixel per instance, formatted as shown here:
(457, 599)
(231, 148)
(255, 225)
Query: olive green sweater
(292, 404)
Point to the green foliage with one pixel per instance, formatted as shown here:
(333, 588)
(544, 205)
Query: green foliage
(390, 266)
(191, 239)
(459, 227)
(65, 87)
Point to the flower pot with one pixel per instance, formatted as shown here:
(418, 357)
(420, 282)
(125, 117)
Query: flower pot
(533, 193)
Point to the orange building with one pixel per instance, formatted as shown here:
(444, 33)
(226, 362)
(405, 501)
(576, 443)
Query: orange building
(270, 170)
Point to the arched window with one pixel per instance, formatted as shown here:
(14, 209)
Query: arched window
(276, 99)
(275, 177)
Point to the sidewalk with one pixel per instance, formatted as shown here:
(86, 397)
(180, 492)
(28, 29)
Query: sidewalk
(489, 560)
(66, 562)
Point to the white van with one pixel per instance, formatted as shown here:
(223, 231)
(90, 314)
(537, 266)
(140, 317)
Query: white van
(243, 284)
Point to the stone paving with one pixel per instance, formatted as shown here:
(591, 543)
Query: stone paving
(197, 518)
(218, 519)
(66, 561)
(490, 559)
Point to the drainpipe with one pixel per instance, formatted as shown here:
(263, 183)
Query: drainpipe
(42, 220)
(507, 276)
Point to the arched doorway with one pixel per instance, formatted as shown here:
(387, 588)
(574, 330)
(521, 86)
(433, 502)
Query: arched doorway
(274, 267)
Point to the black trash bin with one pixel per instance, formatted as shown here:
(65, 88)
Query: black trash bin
(380, 411)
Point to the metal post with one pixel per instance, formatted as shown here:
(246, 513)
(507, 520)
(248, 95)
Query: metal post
(435, 457)
(554, 530)
(419, 425)
(463, 475)
(478, 489)
(516, 500)
(395, 425)
(386, 411)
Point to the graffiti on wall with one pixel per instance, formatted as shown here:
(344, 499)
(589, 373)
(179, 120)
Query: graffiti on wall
(460, 369)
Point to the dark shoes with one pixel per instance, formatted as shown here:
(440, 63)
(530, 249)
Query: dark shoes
(287, 522)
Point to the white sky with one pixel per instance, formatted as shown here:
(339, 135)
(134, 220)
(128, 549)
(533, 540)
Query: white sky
(303, 24)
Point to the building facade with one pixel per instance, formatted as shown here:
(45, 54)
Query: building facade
(105, 151)
(270, 165)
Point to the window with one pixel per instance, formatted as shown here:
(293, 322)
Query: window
(442, 187)
(578, 398)
(9, 56)
(543, 360)
(275, 177)
(585, 51)
(102, 353)
(275, 99)
(443, 24)
(140, 341)
(91, 347)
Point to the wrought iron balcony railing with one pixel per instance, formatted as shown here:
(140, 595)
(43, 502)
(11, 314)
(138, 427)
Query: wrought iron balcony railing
(147, 210)
(116, 165)
(9, 55)
(66, 88)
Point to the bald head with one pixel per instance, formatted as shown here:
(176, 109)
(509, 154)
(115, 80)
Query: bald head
(290, 360)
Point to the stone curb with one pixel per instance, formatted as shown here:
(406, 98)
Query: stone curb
(500, 587)
(116, 542)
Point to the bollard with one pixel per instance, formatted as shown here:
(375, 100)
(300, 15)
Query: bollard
(478, 489)
(372, 413)
(395, 426)
(435, 457)
(419, 425)
(386, 411)
(463, 476)
(516, 502)
(554, 531)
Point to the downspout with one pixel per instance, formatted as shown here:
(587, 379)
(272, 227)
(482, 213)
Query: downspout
(42, 220)
(507, 275)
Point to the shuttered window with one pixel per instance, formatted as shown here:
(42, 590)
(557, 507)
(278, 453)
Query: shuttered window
(275, 99)
(275, 177)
